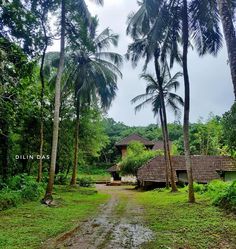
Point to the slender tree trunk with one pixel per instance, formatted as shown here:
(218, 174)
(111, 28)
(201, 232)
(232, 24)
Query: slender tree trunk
(157, 68)
(48, 195)
(4, 140)
(74, 173)
(4, 148)
(165, 149)
(172, 177)
(185, 31)
(230, 37)
(40, 168)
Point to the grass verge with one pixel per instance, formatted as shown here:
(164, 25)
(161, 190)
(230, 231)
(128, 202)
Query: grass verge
(33, 223)
(96, 177)
(180, 225)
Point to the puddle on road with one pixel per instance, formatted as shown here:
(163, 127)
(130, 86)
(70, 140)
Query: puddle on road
(123, 235)
(127, 236)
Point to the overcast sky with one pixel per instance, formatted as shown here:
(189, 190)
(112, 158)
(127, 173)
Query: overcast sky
(211, 86)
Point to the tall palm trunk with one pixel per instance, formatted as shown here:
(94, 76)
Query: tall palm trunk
(48, 194)
(165, 149)
(230, 37)
(40, 168)
(76, 149)
(187, 102)
(172, 177)
(165, 129)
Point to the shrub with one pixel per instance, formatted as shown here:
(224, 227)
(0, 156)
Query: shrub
(2, 185)
(9, 198)
(19, 189)
(227, 198)
(32, 191)
(20, 181)
(61, 179)
(216, 188)
(137, 155)
(85, 182)
(199, 188)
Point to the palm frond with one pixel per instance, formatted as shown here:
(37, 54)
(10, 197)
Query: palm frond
(204, 26)
(115, 58)
(141, 97)
(105, 39)
(143, 104)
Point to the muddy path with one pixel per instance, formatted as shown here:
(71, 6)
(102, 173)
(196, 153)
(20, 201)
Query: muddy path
(118, 225)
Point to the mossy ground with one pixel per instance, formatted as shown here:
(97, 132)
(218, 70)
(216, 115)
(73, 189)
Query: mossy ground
(28, 225)
(178, 224)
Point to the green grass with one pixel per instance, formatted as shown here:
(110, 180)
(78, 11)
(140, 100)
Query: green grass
(178, 224)
(31, 224)
(96, 173)
(99, 175)
(94, 177)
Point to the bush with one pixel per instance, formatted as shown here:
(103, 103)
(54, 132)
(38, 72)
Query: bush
(32, 191)
(199, 188)
(2, 185)
(137, 155)
(9, 198)
(20, 181)
(19, 189)
(216, 188)
(227, 198)
(61, 179)
(85, 182)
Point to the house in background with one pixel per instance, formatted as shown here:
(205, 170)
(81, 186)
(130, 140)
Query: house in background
(205, 169)
(122, 146)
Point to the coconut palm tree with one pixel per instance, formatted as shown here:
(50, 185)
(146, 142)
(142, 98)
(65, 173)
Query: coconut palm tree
(147, 46)
(174, 25)
(94, 72)
(227, 14)
(200, 23)
(78, 10)
(159, 94)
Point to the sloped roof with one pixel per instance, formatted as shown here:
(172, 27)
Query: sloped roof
(134, 137)
(159, 145)
(114, 168)
(205, 168)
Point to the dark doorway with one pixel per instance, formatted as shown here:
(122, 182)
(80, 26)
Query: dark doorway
(116, 176)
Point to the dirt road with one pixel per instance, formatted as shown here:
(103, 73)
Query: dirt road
(118, 225)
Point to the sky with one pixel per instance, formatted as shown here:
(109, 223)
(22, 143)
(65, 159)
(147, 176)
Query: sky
(211, 86)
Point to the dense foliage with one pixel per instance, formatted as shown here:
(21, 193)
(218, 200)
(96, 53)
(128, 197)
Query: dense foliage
(207, 137)
(229, 129)
(137, 155)
(222, 194)
(19, 189)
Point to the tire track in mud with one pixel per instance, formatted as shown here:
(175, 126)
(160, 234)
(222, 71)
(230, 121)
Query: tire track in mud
(118, 225)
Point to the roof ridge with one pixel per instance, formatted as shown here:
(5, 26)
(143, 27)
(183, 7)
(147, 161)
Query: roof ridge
(134, 134)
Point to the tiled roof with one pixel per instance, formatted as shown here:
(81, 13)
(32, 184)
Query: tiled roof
(159, 145)
(114, 168)
(205, 168)
(134, 137)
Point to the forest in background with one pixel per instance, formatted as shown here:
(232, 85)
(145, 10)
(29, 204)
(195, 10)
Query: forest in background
(98, 135)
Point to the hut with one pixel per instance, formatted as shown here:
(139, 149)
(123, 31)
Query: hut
(205, 169)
